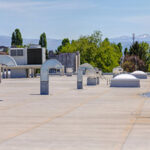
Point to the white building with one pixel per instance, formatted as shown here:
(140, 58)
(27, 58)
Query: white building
(19, 54)
(34, 55)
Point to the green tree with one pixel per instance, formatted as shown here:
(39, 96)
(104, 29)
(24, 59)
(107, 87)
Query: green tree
(85, 46)
(13, 39)
(64, 43)
(144, 51)
(96, 37)
(140, 51)
(108, 56)
(16, 39)
(134, 49)
(132, 63)
(93, 50)
(43, 42)
(126, 51)
(120, 46)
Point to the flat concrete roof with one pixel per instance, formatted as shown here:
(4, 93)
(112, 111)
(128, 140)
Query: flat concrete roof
(95, 118)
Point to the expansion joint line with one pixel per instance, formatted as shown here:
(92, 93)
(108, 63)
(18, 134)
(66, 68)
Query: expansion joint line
(131, 125)
(54, 117)
(28, 102)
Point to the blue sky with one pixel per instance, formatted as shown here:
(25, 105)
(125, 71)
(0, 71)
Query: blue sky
(72, 18)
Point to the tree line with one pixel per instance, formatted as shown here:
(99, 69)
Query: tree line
(137, 57)
(106, 55)
(100, 53)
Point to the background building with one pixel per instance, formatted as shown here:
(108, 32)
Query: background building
(68, 60)
(33, 55)
(3, 49)
(3, 53)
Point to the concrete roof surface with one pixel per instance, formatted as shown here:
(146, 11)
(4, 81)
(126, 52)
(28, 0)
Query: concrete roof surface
(95, 118)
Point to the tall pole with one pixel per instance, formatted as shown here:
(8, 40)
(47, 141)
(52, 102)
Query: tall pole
(133, 38)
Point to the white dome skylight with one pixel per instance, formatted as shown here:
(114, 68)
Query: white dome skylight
(125, 77)
(138, 72)
(125, 80)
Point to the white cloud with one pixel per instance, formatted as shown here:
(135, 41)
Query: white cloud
(52, 5)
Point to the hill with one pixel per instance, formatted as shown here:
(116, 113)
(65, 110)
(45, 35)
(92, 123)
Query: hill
(52, 43)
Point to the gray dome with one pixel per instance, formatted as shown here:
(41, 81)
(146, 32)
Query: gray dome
(87, 69)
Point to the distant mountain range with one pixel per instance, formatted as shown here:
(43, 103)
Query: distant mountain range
(127, 40)
(54, 43)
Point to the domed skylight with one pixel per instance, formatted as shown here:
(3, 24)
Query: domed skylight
(138, 72)
(125, 80)
(125, 77)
